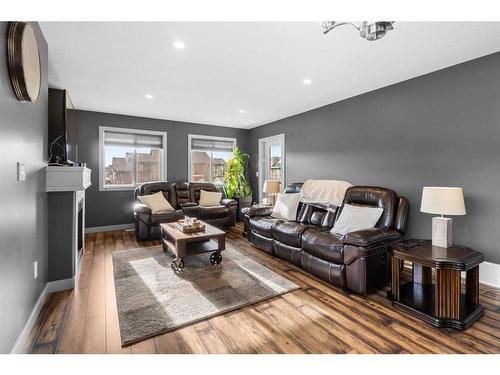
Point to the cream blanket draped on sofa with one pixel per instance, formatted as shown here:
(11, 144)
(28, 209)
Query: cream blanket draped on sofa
(324, 191)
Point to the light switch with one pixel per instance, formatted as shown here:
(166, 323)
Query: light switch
(21, 175)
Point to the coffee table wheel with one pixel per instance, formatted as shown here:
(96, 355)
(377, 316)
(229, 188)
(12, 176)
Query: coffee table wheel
(177, 266)
(215, 257)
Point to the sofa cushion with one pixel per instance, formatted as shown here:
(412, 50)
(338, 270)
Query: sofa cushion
(263, 225)
(214, 212)
(354, 218)
(156, 202)
(209, 198)
(166, 216)
(289, 232)
(286, 206)
(322, 244)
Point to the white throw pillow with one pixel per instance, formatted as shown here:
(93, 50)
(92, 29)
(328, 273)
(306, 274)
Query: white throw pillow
(286, 206)
(354, 218)
(156, 202)
(209, 198)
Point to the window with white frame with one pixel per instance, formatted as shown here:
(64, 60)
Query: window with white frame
(129, 157)
(208, 157)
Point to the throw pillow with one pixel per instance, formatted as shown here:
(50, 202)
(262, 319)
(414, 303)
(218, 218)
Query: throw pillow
(156, 202)
(209, 198)
(286, 206)
(354, 218)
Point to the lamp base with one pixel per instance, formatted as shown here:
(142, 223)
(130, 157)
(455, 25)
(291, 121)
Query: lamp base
(441, 231)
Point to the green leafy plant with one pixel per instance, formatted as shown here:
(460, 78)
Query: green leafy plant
(234, 177)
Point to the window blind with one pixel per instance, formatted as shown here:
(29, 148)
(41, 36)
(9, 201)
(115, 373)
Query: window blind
(204, 144)
(117, 138)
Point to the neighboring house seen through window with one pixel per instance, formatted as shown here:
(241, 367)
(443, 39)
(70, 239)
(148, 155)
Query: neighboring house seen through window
(208, 157)
(130, 157)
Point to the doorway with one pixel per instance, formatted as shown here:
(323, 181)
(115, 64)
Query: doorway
(271, 161)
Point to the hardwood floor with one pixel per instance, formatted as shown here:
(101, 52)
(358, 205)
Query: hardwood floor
(314, 319)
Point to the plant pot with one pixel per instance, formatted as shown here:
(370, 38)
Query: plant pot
(242, 203)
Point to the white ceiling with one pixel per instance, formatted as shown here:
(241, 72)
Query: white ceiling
(255, 66)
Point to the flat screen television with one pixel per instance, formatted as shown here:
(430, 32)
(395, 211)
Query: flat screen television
(63, 149)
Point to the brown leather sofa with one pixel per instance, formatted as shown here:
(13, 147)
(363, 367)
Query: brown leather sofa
(147, 224)
(184, 197)
(188, 199)
(356, 261)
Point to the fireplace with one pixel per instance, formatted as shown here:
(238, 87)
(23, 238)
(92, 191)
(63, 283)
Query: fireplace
(66, 206)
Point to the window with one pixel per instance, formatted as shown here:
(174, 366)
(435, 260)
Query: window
(208, 157)
(129, 157)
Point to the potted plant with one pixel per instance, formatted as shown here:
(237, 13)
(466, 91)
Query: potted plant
(236, 185)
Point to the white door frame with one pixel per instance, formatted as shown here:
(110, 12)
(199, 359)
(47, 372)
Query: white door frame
(262, 141)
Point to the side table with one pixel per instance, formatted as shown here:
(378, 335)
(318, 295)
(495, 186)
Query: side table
(442, 303)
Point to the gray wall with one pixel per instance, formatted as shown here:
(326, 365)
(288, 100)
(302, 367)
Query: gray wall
(441, 129)
(23, 222)
(115, 207)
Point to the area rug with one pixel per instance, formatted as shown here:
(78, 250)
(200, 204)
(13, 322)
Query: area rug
(152, 298)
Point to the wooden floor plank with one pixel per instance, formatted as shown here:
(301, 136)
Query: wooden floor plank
(317, 318)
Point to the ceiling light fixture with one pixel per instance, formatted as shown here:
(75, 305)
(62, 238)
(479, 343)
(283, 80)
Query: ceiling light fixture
(149, 96)
(307, 81)
(179, 45)
(242, 111)
(370, 30)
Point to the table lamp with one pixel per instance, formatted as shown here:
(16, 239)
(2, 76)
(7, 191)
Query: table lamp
(272, 187)
(442, 201)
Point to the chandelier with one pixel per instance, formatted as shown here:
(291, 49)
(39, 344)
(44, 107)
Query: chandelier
(370, 30)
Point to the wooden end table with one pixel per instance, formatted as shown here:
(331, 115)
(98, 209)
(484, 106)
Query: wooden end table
(185, 244)
(442, 303)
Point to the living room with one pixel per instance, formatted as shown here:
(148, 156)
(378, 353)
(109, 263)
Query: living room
(211, 185)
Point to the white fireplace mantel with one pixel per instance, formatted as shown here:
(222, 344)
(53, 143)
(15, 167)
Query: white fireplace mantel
(60, 178)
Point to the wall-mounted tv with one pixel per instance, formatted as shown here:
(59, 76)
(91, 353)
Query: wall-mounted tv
(63, 149)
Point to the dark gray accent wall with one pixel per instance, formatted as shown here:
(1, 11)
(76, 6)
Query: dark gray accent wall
(115, 207)
(23, 222)
(441, 129)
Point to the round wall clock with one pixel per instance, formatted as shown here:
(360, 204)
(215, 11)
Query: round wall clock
(23, 59)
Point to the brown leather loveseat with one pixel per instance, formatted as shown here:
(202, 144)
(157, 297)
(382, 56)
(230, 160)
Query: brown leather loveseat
(356, 261)
(222, 215)
(184, 197)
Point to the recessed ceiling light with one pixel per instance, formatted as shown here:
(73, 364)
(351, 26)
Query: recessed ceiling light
(242, 111)
(149, 96)
(179, 45)
(307, 81)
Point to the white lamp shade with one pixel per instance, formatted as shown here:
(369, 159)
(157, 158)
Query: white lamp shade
(272, 186)
(443, 200)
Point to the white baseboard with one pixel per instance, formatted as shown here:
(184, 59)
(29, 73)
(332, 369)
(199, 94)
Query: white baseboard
(58, 285)
(28, 326)
(489, 273)
(108, 228)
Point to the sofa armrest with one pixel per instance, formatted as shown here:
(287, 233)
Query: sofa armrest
(228, 202)
(259, 211)
(140, 208)
(188, 204)
(371, 237)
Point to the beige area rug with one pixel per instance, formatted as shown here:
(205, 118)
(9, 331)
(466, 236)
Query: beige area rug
(153, 299)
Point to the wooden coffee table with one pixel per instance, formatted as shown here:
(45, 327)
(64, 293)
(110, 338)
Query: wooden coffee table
(212, 240)
(442, 303)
